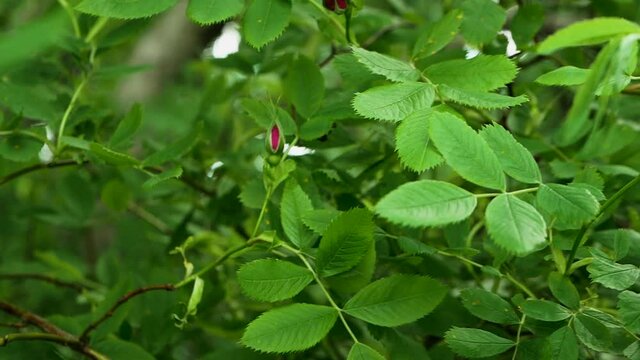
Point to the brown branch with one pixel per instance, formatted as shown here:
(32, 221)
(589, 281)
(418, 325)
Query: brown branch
(130, 295)
(18, 325)
(33, 319)
(46, 278)
(14, 175)
(70, 342)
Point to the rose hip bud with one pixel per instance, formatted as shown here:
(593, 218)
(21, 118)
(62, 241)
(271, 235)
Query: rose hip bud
(274, 139)
(330, 5)
(342, 4)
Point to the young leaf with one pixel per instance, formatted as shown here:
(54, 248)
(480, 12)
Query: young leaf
(564, 345)
(177, 149)
(345, 242)
(360, 351)
(481, 100)
(482, 20)
(476, 343)
(563, 289)
(392, 69)
(611, 274)
(488, 306)
(213, 11)
(629, 310)
(564, 76)
(196, 296)
(515, 159)
(413, 143)
(515, 225)
(304, 86)
(294, 203)
(265, 20)
(291, 328)
(396, 300)
(127, 127)
(544, 310)
(570, 207)
(466, 151)
(426, 203)
(393, 102)
(587, 32)
(124, 9)
(273, 280)
(438, 35)
(591, 332)
(482, 73)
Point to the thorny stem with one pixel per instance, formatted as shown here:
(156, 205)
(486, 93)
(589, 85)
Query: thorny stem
(36, 167)
(324, 290)
(582, 235)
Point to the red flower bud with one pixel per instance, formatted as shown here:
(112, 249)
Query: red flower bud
(342, 4)
(330, 5)
(274, 139)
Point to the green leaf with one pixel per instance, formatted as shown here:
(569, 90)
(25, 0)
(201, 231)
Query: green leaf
(632, 351)
(265, 20)
(273, 280)
(466, 151)
(196, 296)
(413, 143)
(27, 42)
(544, 310)
(563, 289)
(481, 100)
(34, 102)
(392, 69)
(177, 149)
(629, 310)
(318, 220)
(587, 32)
(476, 343)
(265, 114)
(345, 241)
(393, 102)
(304, 85)
(564, 76)
(611, 274)
(291, 328)
(124, 9)
(213, 11)
(482, 20)
(515, 225)
(591, 332)
(114, 348)
(295, 202)
(360, 351)
(488, 306)
(564, 345)
(569, 206)
(351, 281)
(426, 203)
(438, 35)
(112, 157)
(127, 127)
(116, 195)
(396, 300)
(515, 159)
(482, 73)
(19, 148)
(527, 22)
(173, 173)
(274, 175)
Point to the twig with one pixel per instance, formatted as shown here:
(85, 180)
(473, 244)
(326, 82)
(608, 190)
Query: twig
(85, 334)
(70, 342)
(5, 179)
(18, 325)
(46, 278)
(33, 319)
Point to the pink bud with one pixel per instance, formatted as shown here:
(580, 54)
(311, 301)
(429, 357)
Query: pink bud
(342, 4)
(330, 4)
(274, 139)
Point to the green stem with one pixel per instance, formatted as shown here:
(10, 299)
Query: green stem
(582, 235)
(262, 212)
(72, 16)
(515, 192)
(67, 112)
(218, 261)
(95, 29)
(515, 351)
(324, 290)
(520, 285)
